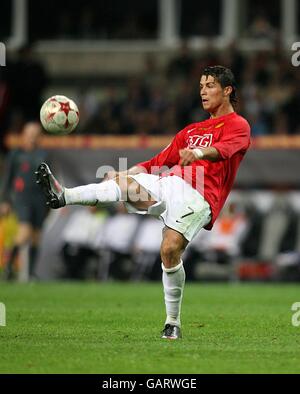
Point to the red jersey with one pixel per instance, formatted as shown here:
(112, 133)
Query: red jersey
(230, 135)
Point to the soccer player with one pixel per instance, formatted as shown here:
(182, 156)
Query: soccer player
(197, 171)
(20, 192)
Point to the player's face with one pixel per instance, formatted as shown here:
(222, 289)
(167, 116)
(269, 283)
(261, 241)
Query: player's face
(31, 134)
(211, 93)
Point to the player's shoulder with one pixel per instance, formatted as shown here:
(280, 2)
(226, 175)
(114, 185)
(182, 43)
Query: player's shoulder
(239, 121)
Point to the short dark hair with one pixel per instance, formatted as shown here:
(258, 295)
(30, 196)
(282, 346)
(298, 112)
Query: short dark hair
(225, 78)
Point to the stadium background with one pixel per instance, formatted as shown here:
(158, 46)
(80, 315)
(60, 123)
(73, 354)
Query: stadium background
(133, 69)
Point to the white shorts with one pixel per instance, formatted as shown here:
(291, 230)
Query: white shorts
(186, 210)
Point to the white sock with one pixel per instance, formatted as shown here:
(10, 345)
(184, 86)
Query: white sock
(173, 282)
(107, 191)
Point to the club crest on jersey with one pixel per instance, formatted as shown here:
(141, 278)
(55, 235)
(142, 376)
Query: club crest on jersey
(195, 141)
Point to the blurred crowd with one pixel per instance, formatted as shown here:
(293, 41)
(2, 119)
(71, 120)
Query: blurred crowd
(162, 100)
(22, 84)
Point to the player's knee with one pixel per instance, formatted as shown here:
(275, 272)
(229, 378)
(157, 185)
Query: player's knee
(170, 254)
(133, 192)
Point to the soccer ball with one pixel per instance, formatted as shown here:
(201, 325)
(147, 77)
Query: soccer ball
(59, 115)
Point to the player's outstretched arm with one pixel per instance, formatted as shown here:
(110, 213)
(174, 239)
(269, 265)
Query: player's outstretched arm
(188, 156)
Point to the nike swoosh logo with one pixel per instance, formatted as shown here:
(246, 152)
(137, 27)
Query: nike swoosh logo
(187, 214)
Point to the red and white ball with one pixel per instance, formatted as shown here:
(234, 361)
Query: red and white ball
(59, 115)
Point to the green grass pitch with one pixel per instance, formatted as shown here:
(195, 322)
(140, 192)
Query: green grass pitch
(115, 328)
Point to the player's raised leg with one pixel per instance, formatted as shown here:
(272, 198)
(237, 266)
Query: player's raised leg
(173, 278)
(121, 188)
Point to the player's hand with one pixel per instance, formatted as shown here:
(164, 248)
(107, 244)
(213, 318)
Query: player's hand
(5, 208)
(187, 156)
